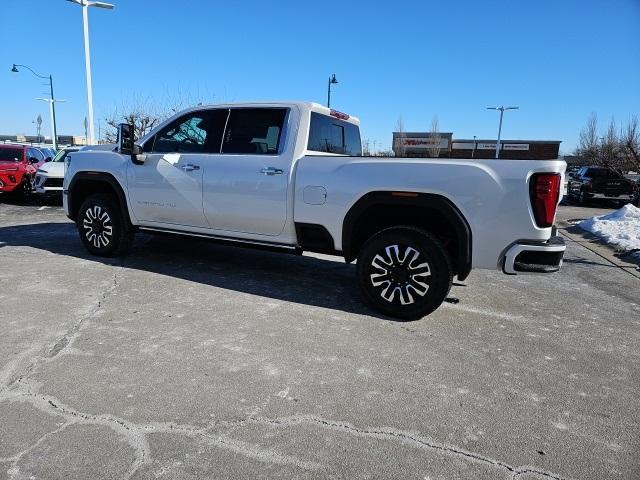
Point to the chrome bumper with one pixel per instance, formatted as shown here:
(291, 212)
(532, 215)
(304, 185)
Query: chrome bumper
(545, 257)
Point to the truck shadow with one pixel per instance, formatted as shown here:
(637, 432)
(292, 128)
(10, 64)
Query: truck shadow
(300, 279)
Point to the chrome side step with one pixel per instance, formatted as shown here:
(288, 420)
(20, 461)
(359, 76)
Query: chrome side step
(279, 246)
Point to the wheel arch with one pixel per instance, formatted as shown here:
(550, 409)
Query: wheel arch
(84, 184)
(435, 213)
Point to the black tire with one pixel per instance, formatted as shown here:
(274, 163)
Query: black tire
(22, 191)
(102, 228)
(397, 282)
(582, 199)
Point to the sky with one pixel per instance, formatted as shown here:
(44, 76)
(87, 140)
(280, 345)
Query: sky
(558, 60)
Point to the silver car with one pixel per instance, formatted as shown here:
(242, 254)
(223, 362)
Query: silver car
(49, 177)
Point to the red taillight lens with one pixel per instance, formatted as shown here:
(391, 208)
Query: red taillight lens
(544, 191)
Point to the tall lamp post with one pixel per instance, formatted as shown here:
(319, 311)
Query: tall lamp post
(52, 101)
(332, 81)
(502, 109)
(85, 4)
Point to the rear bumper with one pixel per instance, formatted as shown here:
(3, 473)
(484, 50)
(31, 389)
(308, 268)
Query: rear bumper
(604, 196)
(544, 257)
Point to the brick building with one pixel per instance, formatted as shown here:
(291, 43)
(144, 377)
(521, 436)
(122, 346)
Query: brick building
(423, 144)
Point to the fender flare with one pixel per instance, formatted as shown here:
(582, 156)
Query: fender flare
(97, 177)
(414, 199)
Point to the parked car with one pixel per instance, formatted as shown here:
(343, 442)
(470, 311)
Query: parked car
(291, 176)
(48, 153)
(18, 165)
(600, 183)
(48, 179)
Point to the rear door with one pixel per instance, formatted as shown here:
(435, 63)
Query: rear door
(245, 186)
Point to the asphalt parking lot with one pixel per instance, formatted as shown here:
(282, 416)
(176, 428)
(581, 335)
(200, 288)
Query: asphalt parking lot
(192, 360)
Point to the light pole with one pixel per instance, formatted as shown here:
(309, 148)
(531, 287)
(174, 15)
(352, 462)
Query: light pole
(332, 81)
(52, 101)
(85, 4)
(502, 109)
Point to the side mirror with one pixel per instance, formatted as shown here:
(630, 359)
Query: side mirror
(125, 139)
(48, 159)
(127, 145)
(33, 160)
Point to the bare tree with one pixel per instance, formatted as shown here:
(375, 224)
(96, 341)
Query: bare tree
(588, 144)
(399, 147)
(435, 138)
(145, 113)
(609, 147)
(630, 143)
(366, 149)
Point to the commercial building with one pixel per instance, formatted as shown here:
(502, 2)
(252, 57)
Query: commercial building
(443, 145)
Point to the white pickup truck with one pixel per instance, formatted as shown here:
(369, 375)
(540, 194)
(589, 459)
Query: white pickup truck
(291, 176)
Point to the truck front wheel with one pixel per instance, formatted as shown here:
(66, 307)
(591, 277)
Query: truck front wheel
(102, 228)
(404, 272)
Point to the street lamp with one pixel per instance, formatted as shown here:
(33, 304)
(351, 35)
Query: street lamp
(332, 81)
(52, 102)
(85, 4)
(502, 109)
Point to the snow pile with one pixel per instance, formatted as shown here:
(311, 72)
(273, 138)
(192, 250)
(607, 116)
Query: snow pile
(620, 228)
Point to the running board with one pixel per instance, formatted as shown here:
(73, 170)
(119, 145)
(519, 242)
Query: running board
(228, 240)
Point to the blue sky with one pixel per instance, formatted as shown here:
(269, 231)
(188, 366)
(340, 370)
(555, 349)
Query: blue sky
(558, 60)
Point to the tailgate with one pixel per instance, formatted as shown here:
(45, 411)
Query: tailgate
(612, 186)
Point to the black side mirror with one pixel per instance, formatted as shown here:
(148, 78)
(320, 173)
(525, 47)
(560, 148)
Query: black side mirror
(48, 159)
(33, 160)
(125, 139)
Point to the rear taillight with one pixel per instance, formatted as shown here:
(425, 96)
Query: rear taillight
(544, 191)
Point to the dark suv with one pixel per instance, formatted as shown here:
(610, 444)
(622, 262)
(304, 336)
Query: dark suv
(600, 183)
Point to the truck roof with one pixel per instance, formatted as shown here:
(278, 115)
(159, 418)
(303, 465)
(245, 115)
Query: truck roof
(310, 106)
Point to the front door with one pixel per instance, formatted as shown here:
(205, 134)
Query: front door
(245, 186)
(167, 187)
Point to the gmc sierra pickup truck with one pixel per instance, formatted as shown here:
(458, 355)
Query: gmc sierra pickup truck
(291, 176)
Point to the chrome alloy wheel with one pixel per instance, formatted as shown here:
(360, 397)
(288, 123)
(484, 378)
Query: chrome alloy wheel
(400, 274)
(97, 226)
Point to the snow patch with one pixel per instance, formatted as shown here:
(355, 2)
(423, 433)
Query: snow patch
(620, 228)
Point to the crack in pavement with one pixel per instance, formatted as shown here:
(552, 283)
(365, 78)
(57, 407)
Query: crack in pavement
(136, 434)
(7, 376)
(409, 438)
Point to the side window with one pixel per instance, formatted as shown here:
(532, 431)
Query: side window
(255, 131)
(330, 135)
(195, 132)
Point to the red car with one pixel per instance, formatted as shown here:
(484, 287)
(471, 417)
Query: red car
(18, 165)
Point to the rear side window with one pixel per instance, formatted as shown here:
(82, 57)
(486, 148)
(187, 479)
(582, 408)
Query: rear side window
(601, 173)
(195, 132)
(330, 135)
(254, 131)
(10, 154)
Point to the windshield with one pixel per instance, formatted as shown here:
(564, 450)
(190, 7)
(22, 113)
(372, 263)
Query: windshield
(10, 154)
(59, 156)
(602, 173)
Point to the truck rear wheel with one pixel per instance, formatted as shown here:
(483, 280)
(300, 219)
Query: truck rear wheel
(102, 228)
(404, 272)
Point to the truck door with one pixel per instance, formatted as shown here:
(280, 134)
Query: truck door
(167, 187)
(245, 187)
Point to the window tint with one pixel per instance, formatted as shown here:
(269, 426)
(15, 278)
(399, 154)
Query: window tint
(34, 153)
(195, 132)
(330, 135)
(255, 131)
(10, 155)
(601, 173)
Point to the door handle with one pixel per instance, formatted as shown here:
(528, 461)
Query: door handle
(272, 171)
(189, 167)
